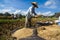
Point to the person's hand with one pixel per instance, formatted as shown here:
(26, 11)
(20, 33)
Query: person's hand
(36, 16)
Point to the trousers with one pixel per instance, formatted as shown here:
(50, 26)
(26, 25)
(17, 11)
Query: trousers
(28, 22)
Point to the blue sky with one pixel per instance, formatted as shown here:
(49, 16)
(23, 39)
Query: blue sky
(46, 7)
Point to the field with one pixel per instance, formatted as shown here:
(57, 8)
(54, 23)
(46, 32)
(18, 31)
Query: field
(8, 25)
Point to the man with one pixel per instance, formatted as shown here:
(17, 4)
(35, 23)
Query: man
(30, 13)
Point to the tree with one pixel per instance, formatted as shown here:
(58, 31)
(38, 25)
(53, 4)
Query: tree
(7, 14)
(1, 14)
(57, 14)
(18, 15)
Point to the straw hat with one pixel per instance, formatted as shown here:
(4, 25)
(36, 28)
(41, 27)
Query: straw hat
(35, 4)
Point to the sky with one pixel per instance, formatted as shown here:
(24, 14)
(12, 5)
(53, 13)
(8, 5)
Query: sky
(45, 7)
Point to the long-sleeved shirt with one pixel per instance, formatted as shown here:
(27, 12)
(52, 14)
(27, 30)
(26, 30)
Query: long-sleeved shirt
(30, 12)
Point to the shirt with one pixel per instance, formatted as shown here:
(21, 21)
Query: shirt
(30, 12)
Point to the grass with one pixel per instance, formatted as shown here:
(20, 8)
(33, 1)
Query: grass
(23, 19)
(6, 20)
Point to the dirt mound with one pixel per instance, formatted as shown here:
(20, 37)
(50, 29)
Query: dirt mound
(22, 33)
(50, 33)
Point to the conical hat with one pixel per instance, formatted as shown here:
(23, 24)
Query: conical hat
(35, 4)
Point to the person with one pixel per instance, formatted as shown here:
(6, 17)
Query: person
(59, 21)
(30, 13)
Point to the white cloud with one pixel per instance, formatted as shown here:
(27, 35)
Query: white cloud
(17, 11)
(50, 4)
(20, 12)
(4, 10)
(23, 12)
(12, 10)
(48, 13)
(7, 9)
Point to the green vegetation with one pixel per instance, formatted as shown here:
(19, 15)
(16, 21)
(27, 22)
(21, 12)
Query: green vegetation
(23, 19)
(7, 20)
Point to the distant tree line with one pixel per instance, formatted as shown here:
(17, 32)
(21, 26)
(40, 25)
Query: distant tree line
(7, 15)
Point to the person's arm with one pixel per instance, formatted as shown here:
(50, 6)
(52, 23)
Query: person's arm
(35, 14)
(33, 11)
